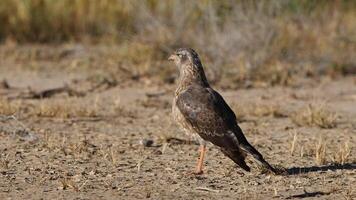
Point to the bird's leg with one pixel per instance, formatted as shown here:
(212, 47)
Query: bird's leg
(202, 150)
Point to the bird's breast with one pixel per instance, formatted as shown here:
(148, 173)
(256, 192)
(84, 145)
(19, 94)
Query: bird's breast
(180, 119)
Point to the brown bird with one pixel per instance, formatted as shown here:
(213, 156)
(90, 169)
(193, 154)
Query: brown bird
(204, 114)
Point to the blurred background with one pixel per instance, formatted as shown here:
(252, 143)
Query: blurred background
(242, 43)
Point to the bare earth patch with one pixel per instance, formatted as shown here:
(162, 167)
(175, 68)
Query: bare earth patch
(120, 142)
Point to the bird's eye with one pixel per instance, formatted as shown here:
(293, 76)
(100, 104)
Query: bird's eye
(180, 55)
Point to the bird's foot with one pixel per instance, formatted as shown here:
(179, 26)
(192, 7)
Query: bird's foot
(198, 172)
(195, 173)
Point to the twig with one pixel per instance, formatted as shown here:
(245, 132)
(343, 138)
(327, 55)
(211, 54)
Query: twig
(207, 189)
(29, 93)
(53, 91)
(156, 94)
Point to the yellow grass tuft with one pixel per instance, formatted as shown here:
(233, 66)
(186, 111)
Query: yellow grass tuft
(320, 152)
(64, 109)
(8, 107)
(261, 110)
(344, 153)
(293, 144)
(256, 110)
(315, 115)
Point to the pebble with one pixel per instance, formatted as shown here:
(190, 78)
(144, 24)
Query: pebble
(146, 142)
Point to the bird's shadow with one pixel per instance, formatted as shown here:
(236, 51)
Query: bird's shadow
(333, 167)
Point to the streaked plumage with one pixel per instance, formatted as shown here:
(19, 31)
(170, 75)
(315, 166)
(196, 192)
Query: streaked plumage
(203, 112)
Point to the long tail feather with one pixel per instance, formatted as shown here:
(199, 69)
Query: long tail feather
(257, 156)
(238, 157)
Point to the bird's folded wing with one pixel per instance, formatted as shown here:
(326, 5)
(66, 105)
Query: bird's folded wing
(208, 114)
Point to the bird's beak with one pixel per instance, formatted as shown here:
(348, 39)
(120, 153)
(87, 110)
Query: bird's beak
(172, 57)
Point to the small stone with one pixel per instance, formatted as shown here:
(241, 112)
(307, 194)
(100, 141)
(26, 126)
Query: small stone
(146, 142)
(158, 152)
(70, 173)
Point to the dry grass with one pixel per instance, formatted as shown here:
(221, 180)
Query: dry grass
(256, 110)
(51, 21)
(109, 154)
(338, 157)
(8, 107)
(323, 149)
(294, 143)
(68, 183)
(49, 108)
(260, 110)
(239, 110)
(271, 43)
(64, 109)
(315, 115)
(344, 153)
(320, 152)
(4, 161)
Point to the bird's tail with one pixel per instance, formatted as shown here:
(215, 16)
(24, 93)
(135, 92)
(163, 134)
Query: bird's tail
(238, 157)
(257, 156)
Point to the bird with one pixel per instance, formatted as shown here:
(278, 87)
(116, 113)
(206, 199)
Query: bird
(205, 116)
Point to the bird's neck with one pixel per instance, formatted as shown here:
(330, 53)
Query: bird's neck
(191, 76)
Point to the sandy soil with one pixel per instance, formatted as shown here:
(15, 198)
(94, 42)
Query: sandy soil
(100, 156)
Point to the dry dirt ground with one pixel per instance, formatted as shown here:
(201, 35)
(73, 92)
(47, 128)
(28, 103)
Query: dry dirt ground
(88, 145)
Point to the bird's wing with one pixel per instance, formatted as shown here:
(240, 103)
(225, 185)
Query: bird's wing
(209, 115)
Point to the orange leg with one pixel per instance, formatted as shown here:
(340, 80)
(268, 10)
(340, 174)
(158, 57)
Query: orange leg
(199, 169)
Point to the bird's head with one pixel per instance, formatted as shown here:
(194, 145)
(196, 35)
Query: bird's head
(185, 56)
(189, 65)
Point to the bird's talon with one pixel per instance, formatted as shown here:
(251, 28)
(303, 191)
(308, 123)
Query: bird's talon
(199, 172)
